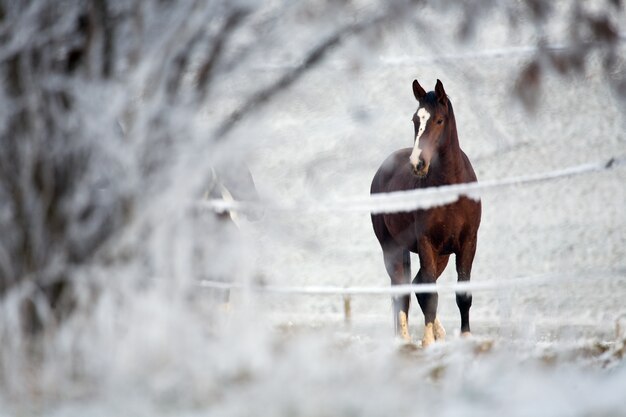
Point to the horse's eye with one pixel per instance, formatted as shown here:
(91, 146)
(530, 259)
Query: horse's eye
(440, 121)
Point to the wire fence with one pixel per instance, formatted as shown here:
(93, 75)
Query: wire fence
(407, 201)
(405, 289)
(402, 201)
(571, 278)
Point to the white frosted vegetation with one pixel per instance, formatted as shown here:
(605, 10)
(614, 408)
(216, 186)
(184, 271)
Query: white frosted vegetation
(140, 127)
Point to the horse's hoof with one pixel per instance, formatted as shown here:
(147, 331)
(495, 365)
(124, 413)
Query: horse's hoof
(466, 334)
(440, 332)
(404, 327)
(429, 335)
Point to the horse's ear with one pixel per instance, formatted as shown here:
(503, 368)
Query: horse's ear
(418, 91)
(441, 93)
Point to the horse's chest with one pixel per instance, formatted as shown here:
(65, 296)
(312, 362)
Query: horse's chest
(442, 231)
(449, 226)
(442, 227)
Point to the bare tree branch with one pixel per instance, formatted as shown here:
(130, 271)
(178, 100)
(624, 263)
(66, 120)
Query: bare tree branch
(312, 59)
(232, 22)
(102, 20)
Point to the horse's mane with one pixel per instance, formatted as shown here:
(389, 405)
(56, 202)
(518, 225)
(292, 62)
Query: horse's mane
(452, 133)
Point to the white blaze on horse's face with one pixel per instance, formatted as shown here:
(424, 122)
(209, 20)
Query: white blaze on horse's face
(423, 115)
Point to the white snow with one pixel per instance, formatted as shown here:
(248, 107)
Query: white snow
(549, 276)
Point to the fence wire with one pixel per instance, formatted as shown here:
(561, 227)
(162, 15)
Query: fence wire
(402, 201)
(397, 290)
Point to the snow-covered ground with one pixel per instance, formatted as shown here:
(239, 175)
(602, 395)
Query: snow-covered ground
(325, 140)
(550, 350)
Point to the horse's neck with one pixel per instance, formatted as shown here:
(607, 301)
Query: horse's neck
(450, 153)
(450, 157)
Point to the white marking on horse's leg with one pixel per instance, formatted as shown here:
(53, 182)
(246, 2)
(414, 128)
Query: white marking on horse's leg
(404, 327)
(415, 155)
(440, 332)
(429, 335)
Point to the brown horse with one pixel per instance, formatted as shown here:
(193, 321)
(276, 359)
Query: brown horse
(436, 159)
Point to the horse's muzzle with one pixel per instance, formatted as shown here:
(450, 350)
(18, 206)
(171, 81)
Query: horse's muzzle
(421, 169)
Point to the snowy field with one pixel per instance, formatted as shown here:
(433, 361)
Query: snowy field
(554, 349)
(327, 137)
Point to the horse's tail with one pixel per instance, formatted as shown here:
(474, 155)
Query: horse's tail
(406, 265)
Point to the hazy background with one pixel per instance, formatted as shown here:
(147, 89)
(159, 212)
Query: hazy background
(116, 115)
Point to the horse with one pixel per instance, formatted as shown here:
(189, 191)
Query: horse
(219, 258)
(435, 160)
(233, 182)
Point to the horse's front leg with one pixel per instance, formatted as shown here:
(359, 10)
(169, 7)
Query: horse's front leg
(440, 332)
(398, 265)
(427, 301)
(464, 260)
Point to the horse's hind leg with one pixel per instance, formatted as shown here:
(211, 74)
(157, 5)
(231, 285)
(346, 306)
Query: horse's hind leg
(464, 260)
(398, 265)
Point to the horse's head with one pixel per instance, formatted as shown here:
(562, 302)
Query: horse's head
(430, 121)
